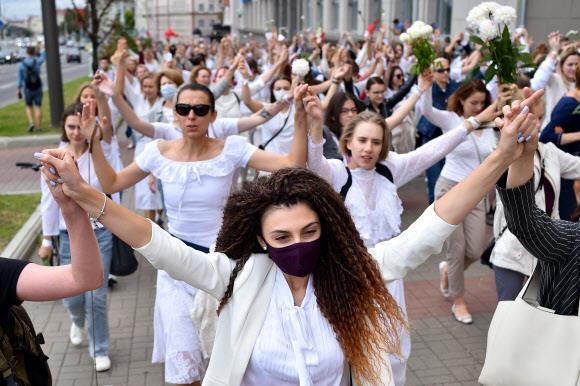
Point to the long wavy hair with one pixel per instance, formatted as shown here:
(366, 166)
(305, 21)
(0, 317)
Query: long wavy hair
(348, 285)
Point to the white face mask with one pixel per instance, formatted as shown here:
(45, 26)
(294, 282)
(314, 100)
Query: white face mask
(168, 91)
(280, 94)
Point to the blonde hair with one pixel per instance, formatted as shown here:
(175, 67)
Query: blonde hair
(366, 116)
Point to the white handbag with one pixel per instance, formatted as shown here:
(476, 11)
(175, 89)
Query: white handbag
(530, 345)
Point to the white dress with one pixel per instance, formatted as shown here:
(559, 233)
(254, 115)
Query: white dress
(282, 143)
(376, 208)
(194, 193)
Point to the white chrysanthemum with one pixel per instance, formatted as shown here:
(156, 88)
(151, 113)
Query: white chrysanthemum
(505, 15)
(483, 11)
(414, 33)
(300, 67)
(488, 30)
(405, 38)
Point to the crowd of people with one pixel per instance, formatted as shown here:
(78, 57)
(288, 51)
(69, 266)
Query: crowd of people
(268, 200)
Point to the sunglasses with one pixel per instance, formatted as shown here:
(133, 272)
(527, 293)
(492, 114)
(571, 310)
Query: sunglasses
(398, 76)
(442, 70)
(183, 109)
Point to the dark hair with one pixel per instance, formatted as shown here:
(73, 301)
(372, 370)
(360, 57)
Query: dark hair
(578, 76)
(335, 105)
(349, 289)
(31, 50)
(374, 80)
(253, 65)
(74, 109)
(280, 77)
(464, 91)
(197, 87)
(391, 74)
(198, 60)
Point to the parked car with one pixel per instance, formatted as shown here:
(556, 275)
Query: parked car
(73, 54)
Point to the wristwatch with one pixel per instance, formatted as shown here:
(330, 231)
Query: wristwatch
(265, 114)
(473, 122)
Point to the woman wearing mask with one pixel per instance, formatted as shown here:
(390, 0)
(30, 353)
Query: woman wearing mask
(168, 81)
(277, 133)
(302, 299)
(197, 173)
(90, 307)
(471, 102)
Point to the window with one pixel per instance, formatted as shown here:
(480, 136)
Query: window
(201, 7)
(353, 15)
(201, 23)
(211, 8)
(335, 14)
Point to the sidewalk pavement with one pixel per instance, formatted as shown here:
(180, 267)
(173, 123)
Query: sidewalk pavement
(444, 352)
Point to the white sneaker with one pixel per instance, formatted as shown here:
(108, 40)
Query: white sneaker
(76, 335)
(102, 363)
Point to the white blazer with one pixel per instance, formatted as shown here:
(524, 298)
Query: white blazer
(242, 317)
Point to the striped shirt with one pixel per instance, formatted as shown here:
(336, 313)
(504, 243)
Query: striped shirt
(556, 244)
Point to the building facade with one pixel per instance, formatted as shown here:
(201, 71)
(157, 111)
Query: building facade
(183, 16)
(337, 16)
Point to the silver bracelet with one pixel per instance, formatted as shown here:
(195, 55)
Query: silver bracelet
(95, 220)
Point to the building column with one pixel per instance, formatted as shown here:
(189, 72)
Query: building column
(342, 16)
(327, 15)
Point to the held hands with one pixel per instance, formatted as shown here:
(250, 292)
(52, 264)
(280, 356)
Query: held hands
(490, 113)
(425, 80)
(519, 127)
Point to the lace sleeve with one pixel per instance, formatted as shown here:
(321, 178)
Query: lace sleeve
(333, 171)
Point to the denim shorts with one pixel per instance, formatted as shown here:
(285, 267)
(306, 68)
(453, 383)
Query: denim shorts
(33, 97)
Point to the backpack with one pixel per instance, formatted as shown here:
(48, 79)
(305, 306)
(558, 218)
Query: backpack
(22, 362)
(32, 79)
(383, 170)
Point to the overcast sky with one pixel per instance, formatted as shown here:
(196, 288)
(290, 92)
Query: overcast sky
(18, 9)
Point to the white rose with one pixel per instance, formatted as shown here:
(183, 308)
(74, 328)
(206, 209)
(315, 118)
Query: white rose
(405, 38)
(488, 30)
(300, 67)
(418, 24)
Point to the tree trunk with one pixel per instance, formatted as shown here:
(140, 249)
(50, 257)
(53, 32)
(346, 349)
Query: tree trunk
(94, 34)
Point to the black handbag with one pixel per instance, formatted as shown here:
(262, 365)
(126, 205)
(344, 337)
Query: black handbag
(486, 255)
(123, 260)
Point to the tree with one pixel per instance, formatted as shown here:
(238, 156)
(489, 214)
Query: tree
(100, 24)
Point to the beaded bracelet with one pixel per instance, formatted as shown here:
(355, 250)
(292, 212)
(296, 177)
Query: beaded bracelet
(95, 220)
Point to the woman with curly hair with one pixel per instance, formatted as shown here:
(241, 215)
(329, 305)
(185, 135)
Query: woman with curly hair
(302, 298)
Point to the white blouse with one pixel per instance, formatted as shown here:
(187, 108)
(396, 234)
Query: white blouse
(52, 220)
(372, 200)
(469, 154)
(196, 192)
(283, 141)
(296, 345)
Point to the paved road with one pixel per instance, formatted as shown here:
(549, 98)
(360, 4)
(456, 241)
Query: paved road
(9, 77)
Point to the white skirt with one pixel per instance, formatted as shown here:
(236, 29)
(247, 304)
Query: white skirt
(399, 365)
(175, 340)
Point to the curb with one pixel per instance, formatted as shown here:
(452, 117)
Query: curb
(21, 246)
(30, 140)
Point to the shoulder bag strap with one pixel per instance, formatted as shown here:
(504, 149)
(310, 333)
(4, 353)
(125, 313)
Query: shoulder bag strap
(263, 146)
(480, 162)
(347, 185)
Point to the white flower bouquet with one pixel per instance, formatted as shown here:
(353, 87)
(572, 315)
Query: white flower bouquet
(300, 68)
(419, 37)
(490, 22)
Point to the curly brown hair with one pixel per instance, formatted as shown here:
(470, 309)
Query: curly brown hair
(348, 285)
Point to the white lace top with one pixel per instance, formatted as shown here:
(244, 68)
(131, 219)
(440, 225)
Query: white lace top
(196, 192)
(296, 344)
(372, 199)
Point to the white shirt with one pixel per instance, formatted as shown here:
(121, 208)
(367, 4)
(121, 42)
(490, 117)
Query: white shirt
(196, 192)
(228, 106)
(464, 158)
(282, 143)
(372, 200)
(52, 220)
(296, 345)
(220, 128)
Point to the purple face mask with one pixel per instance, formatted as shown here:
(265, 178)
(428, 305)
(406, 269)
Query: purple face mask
(298, 259)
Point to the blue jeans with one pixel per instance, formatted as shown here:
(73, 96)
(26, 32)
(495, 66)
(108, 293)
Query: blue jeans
(82, 307)
(432, 174)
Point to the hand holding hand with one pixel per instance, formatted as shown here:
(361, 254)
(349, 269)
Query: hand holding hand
(313, 108)
(60, 169)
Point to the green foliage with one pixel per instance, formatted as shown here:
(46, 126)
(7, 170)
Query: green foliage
(14, 211)
(120, 29)
(424, 55)
(505, 57)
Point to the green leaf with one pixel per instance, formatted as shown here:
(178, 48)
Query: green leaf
(477, 40)
(489, 73)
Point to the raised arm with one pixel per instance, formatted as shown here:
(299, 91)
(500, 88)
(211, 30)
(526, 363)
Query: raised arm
(208, 272)
(85, 273)
(263, 115)
(546, 69)
(425, 81)
(268, 161)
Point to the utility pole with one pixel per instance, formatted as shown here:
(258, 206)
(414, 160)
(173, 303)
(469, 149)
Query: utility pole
(53, 72)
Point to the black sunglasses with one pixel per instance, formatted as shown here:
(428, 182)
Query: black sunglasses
(398, 76)
(442, 70)
(183, 109)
